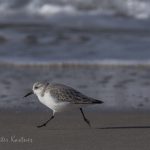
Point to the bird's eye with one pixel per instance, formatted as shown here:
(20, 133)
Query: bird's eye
(36, 87)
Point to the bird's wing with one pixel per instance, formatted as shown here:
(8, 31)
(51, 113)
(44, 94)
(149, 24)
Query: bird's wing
(68, 94)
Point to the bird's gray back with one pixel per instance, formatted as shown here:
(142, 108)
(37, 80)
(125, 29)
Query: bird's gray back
(67, 94)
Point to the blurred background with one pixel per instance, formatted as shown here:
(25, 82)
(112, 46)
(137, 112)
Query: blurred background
(100, 47)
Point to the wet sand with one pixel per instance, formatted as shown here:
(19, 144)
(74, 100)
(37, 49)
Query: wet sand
(116, 131)
(120, 87)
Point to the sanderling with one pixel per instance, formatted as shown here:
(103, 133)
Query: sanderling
(59, 97)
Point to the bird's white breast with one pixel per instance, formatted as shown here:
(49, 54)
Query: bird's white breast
(48, 100)
(52, 103)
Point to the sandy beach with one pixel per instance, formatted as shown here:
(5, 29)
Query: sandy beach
(124, 131)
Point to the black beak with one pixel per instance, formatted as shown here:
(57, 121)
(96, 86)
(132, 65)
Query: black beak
(28, 94)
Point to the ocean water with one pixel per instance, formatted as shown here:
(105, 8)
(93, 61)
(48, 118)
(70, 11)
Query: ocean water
(86, 34)
(79, 31)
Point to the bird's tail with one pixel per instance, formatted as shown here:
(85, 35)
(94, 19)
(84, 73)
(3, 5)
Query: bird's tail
(95, 101)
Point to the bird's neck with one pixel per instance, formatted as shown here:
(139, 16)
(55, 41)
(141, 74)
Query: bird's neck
(44, 89)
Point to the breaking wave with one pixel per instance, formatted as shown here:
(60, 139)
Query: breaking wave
(47, 9)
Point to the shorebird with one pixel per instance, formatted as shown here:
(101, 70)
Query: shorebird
(60, 97)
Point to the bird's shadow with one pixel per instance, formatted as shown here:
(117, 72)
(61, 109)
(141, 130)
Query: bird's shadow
(125, 127)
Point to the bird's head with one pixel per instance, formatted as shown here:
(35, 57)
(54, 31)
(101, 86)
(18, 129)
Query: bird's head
(37, 89)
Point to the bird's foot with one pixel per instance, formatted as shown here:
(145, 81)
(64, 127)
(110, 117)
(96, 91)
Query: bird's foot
(42, 125)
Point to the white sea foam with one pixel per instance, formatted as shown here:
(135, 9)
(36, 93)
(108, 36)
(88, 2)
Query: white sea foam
(72, 63)
(135, 8)
(48, 8)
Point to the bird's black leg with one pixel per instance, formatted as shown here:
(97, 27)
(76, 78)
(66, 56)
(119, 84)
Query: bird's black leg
(85, 119)
(44, 124)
